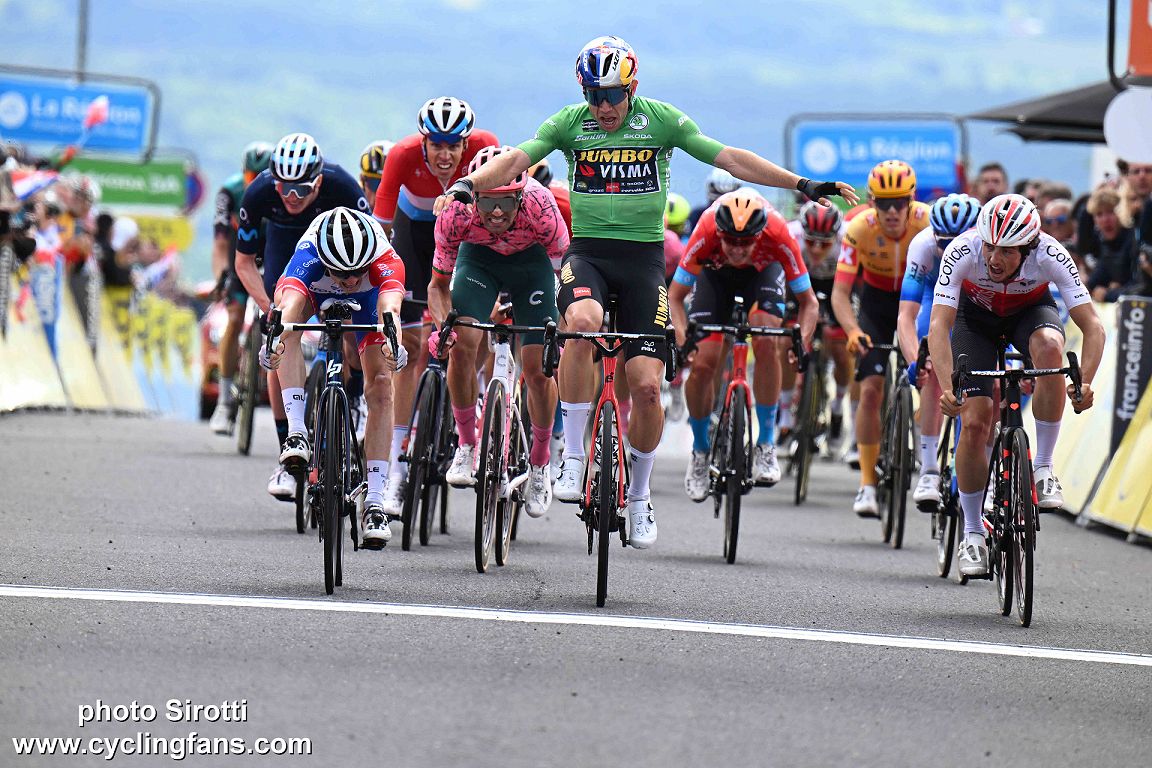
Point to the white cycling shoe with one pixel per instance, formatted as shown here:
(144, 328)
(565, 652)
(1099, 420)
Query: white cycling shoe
(569, 485)
(394, 495)
(538, 495)
(927, 489)
(696, 478)
(462, 473)
(641, 524)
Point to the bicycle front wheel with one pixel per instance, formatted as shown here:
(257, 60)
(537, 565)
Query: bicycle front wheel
(1023, 525)
(249, 390)
(490, 474)
(944, 516)
(736, 428)
(509, 508)
(809, 415)
(332, 494)
(1001, 552)
(901, 458)
(605, 498)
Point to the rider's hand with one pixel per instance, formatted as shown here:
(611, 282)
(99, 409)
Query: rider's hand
(913, 375)
(434, 342)
(1086, 397)
(401, 359)
(271, 362)
(948, 404)
(858, 342)
(820, 190)
(461, 190)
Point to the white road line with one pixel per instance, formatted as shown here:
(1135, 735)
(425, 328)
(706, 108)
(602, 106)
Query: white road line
(582, 619)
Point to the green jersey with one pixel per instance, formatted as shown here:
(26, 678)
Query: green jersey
(619, 180)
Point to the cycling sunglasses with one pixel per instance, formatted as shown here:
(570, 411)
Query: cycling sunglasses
(1061, 219)
(340, 274)
(597, 96)
(505, 203)
(296, 189)
(888, 203)
(738, 242)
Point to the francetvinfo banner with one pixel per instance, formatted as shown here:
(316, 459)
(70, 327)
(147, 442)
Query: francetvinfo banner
(1133, 361)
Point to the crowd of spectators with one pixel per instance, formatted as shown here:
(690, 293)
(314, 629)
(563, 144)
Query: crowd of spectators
(53, 219)
(1108, 230)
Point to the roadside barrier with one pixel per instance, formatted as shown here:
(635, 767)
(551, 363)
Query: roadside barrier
(28, 375)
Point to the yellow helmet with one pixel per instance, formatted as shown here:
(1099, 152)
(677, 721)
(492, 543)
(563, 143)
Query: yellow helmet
(892, 178)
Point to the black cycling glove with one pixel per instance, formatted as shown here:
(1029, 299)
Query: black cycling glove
(817, 189)
(461, 190)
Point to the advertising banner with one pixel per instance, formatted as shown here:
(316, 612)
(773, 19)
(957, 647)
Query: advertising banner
(1133, 362)
(125, 183)
(40, 110)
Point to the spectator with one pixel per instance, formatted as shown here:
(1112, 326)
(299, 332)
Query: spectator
(1115, 261)
(119, 243)
(991, 180)
(1052, 190)
(1131, 204)
(1059, 222)
(1139, 175)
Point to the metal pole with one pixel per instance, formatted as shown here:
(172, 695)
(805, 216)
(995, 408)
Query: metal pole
(82, 41)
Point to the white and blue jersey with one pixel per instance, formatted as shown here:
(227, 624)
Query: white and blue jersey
(920, 276)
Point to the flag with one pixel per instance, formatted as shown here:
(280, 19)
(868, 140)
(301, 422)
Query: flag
(97, 113)
(27, 183)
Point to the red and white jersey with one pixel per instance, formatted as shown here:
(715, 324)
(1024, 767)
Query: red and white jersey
(408, 182)
(964, 271)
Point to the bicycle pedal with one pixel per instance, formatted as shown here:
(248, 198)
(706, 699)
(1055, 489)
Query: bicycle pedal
(927, 507)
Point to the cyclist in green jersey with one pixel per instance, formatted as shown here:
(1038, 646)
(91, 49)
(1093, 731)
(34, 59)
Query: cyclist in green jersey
(618, 147)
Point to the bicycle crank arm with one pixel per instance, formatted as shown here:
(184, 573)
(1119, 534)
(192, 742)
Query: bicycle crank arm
(512, 485)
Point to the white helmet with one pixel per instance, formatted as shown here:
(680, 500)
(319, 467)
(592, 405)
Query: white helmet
(296, 158)
(347, 240)
(721, 182)
(1008, 220)
(446, 118)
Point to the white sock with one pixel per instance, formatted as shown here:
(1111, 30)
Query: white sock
(973, 506)
(929, 463)
(399, 434)
(575, 417)
(377, 473)
(641, 473)
(837, 404)
(784, 414)
(225, 396)
(294, 409)
(1046, 434)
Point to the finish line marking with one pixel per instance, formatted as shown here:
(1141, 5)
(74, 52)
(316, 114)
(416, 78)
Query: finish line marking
(582, 619)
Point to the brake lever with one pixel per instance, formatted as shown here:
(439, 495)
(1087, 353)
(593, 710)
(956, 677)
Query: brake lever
(445, 332)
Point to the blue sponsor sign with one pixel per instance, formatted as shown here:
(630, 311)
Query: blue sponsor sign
(40, 111)
(847, 151)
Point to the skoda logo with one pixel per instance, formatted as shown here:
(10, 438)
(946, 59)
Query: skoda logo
(638, 122)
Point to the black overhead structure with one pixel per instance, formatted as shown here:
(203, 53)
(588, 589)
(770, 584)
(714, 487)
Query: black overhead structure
(1076, 115)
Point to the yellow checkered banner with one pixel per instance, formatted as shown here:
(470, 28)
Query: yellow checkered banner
(137, 353)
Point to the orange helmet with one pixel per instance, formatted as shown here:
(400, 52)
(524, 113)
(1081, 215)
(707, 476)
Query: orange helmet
(892, 178)
(743, 213)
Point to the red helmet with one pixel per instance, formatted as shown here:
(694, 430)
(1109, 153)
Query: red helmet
(820, 222)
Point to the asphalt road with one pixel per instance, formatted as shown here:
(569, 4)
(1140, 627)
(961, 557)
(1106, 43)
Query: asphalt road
(820, 647)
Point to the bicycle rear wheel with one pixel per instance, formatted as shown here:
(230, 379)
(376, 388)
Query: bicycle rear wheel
(736, 426)
(809, 415)
(445, 450)
(884, 467)
(901, 460)
(1023, 525)
(605, 499)
(249, 393)
(490, 474)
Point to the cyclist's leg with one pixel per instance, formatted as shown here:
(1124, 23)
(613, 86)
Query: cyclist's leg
(930, 417)
(296, 306)
(767, 289)
(1045, 344)
(580, 301)
(974, 335)
(877, 319)
(278, 250)
(236, 301)
(378, 393)
(711, 304)
(530, 284)
(474, 290)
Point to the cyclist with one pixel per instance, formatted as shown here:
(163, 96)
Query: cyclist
(818, 230)
(719, 182)
(618, 147)
(994, 282)
(950, 216)
(372, 166)
(510, 241)
(344, 254)
(285, 199)
(256, 158)
(740, 247)
(875, 243)
(420, 167)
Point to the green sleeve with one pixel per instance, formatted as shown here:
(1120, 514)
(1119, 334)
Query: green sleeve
(687, 136)
(547, 138)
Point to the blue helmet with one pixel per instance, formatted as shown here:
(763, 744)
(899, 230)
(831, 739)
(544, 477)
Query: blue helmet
(954, 214)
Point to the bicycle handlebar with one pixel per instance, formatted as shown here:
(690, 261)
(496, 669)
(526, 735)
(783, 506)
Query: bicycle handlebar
(553, 337)
(1072, 371)
(276, 327)
(743, 331)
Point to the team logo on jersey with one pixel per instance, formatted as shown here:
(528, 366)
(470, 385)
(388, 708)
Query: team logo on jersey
(638, 121)
(589, 125)
(566, 275)
(616, 170)
(581, 293)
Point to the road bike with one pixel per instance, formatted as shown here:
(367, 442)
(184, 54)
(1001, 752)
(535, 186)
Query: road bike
(1012, 524)
(603, 500)
(730, 457)
(337, 462)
